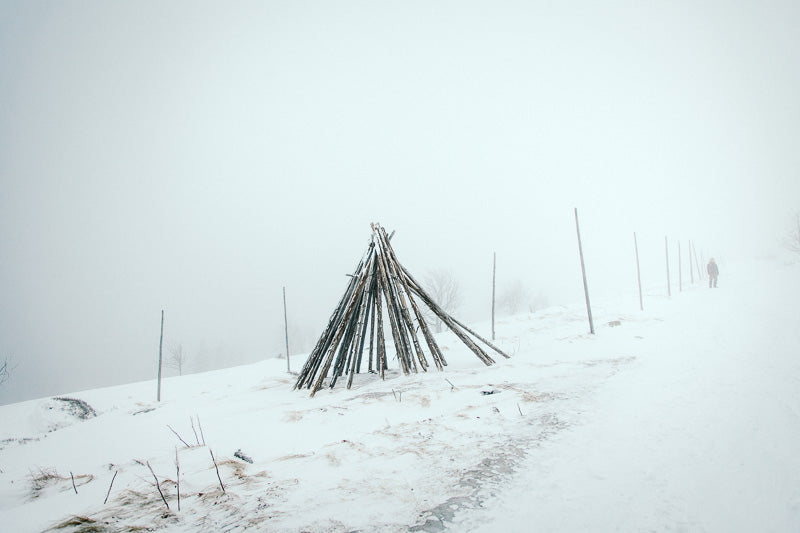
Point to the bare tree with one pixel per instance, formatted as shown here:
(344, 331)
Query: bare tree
(792, 237)
(514, 297)
(5, 371)
(176, 358)
(444, 289)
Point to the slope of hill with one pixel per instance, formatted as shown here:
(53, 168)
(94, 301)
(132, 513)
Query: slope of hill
(683, 417)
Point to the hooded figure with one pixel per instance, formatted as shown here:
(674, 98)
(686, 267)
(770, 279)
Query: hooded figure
(713, 272)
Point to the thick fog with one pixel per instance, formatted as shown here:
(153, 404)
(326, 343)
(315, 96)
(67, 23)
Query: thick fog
(197, 157)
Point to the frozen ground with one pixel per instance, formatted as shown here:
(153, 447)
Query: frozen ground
(683, 417)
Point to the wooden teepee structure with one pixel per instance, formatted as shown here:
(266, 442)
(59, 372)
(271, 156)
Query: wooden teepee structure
(381, 287)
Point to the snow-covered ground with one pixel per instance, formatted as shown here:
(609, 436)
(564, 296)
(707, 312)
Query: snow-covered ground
(684, 417)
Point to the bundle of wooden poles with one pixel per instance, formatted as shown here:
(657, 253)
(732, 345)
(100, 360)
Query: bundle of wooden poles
(381, 287)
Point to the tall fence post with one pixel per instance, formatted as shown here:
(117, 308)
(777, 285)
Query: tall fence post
(160, 346)
(286, 330)
(697, 264)
(666, 251)
(638, 271)
(583, 271)
(691, 272)
(703, 262)
(494, 279)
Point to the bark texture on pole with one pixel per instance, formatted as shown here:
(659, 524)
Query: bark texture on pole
(286, 330)
(638, 271)
(494, 278)
(583, 271)
(160, 351)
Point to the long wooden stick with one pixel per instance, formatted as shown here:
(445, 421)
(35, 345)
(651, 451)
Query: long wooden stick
(666, 253)
(160, 345)
(402, 292)
(199, 425)
(191, 421)
(638, 271)
(73, 483)
(217, 468)
(110, 485)
(158, 486)
(286, 330)
(178, 477)
(583, 271)
(179, 437)
(494, 277)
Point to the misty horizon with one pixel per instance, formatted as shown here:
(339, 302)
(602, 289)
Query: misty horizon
(197, 159)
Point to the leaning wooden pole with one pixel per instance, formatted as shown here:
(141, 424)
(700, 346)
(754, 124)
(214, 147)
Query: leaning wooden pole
(583, 271)
(286, 330)
(697, 263)
(666, 252)
(494, 278)
(638, 271)
(160, 352)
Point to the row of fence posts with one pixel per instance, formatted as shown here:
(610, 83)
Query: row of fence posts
(161, 344)
(692, 254)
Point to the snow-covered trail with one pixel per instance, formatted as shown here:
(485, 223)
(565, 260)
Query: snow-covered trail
(701, 435)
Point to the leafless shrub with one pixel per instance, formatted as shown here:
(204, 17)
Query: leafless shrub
(5, 370)
(44, 478)
(444, 289)
(176, 358)
(78, 408)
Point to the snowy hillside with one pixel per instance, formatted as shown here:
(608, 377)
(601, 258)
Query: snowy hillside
(684, 417)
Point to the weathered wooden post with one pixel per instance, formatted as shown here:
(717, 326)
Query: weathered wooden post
(666, 251)
(703, 262)
(494, 278)
(680, 269)
(583, 271)
(286, 330)
(697, 264)
(160, 346)
(638, 271)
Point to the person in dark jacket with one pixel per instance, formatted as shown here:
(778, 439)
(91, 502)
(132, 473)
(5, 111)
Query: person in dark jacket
(713, 272)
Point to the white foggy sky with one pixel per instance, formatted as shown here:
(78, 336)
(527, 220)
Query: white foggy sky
(198, 156)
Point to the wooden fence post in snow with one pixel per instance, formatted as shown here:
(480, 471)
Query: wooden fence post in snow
(703, 262)
(697, 264)
(638, 271)
(160, 346)
(583, 271)
(680, 269)
(666, 251)
(691, 272)
(286, 329)
(494, 277)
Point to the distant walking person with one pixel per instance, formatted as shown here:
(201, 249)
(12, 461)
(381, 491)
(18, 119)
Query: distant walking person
(713, 272)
